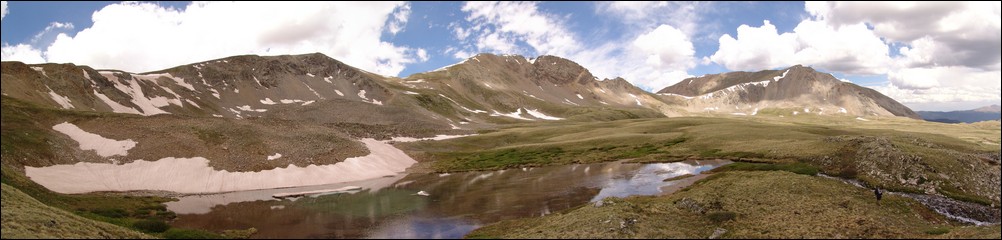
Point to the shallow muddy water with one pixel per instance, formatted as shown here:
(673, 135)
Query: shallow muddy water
(456, 204)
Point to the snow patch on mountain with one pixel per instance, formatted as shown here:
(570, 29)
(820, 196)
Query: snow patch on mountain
(447, 67)
(195, 175)
(40, 70)
(676, 95)
(516, 115)
(537, 114)
(635, 98)
(115, 106)
(88, 141)
(780, 77)
(248, 108)
(63, 101)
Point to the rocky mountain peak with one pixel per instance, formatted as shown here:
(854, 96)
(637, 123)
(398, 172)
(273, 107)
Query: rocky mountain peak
(812, 74)
(561, 71)
(265, 70)
(617, 79)
(287, 63)
(797, 87)
(542, 69)
(617, 82)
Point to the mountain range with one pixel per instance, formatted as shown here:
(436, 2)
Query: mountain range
(988, 113)
(801, 90)
(481, 91)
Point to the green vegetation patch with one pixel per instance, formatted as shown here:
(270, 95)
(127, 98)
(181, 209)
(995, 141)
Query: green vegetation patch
(239, 234)
(25, 217)
(952, 192)
(177, 233)
(798, 168)
(436, 104)
(500, 159)
(679, 178)
(151, 226)
(21, 134)
(721, 216)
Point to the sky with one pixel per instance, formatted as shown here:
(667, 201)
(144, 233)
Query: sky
(928, 55)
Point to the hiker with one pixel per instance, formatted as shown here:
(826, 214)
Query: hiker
(879, 194)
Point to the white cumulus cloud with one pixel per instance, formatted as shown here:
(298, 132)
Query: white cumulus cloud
(144, 37)
(943, 84)
(3, 10)
(497, 42)
(669, 54)
(400, 17)
(962, 33)
(519, 21)
(950, 51)
(756, 48)
(667, 47)
(852, 49)
(460, 32)
(644, 14)
(422, 55)
(21, 53)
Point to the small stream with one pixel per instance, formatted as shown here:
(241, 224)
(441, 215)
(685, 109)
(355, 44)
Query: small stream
(456, 204)
(970, 213)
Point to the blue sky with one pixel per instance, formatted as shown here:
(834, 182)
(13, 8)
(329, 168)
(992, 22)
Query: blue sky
(909, 51)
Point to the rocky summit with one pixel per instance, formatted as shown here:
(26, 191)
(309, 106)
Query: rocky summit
(797, 90)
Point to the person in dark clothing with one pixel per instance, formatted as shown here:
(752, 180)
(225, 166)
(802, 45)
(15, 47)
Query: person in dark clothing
(879, 194)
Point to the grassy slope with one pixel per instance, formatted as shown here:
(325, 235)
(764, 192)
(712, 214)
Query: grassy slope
(231, 145)
(903, 155)
(746, 205)
(25, 217)
(27, 142)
